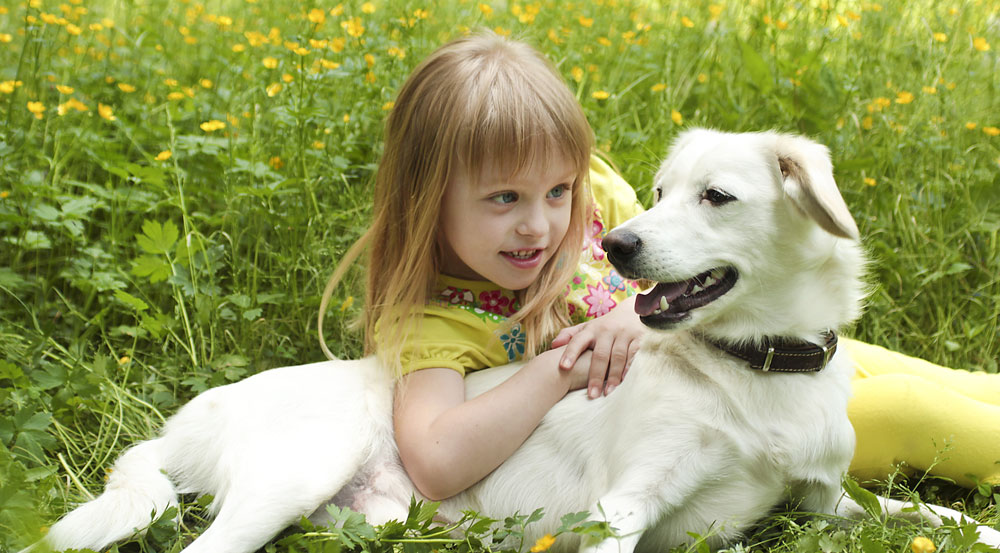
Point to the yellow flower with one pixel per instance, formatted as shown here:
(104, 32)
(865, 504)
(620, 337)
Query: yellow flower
(287, 77)
(979, 43)
(486, 9)
(347, 118)
(123, 360)
(370, 60)
(37, 108)
(6, 37)
(940, 37)
(686, 21)
(354, 27)
(600, 94)
(586, 21)
(970, 125)
(270, 62)
(702, 77)
(421, 14)
(327, 64)
(63, 89)
(318, 145)
(105, 112)
(125, 87)
(205, 83)
(676, 117)
(175, 96)
(73, 29)
(273, 89)
(991, 131)
(930, 90)
(72, 103)
(385, 107)
(338, 44)
(397, 52)
(658, 87)
(213, 125)
(368, 7)
(577, 73)
(866, 123)
(239, 48)
(317, 16)
(921, 544)
(604, 41)
(164, 155)
(869, 181)
(543, 543)
(347, 304)
(904, 97)
(170, 82)
(4, 194)
(7, 87)
(715, 10)
(276, 162)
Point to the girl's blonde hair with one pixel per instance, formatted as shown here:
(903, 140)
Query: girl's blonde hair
(478, 101)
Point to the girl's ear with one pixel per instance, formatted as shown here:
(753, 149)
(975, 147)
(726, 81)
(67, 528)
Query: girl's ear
(807, 179)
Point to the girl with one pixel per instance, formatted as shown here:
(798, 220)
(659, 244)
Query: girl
(486, 195)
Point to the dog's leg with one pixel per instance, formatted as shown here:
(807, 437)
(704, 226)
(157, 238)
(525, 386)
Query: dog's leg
(924, 512)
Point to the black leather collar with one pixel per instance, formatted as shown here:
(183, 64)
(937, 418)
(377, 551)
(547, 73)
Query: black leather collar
(784, 354)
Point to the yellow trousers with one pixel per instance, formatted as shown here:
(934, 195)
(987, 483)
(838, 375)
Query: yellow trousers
(919, 416)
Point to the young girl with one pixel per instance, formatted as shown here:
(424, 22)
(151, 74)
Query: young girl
(486, 195)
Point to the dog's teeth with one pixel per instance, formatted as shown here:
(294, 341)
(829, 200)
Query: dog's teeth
(664, 306)
(695, 289)
(717, 274)
(709, 282)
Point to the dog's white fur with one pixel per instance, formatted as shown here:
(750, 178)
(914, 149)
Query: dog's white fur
(692, 441)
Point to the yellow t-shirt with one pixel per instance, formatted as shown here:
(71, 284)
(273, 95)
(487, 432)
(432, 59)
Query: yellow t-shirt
(464, 325)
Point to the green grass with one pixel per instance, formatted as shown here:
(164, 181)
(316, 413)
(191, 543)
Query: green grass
(130, 281)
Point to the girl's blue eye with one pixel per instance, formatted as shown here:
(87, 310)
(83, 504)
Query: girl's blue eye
(505, 198)
(559, 191)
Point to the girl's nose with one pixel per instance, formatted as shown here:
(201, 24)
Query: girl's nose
(534, 222)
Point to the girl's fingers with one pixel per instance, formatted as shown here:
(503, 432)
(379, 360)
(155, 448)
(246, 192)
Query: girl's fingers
(575, 346)
(617, 364)
(599, 365)
(565, 335)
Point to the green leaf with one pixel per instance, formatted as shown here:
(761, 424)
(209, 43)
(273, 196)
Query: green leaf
(755, 66)
(866, 499)
(131, 301)
(157, 238)
(156, 269)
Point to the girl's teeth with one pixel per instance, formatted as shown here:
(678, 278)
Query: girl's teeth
(523, 255)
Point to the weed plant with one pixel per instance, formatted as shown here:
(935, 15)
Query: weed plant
(178, 179)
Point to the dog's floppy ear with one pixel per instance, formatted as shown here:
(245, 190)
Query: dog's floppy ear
(808, 180)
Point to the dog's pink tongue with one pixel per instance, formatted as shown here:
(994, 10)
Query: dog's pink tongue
(646, 303)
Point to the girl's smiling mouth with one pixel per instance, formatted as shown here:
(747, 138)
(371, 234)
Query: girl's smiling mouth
(524, 259)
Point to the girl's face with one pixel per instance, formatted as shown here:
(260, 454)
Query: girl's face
(505, 231)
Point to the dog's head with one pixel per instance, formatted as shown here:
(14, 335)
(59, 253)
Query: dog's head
(749, 237)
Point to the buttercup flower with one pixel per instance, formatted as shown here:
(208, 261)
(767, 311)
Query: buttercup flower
(213, 125)
(600, 94)
(164, 155)
(37, 108)
(543, 543)
(921, 544)
(105, 112)
(676, 117)
(979, 43)
(126, 88)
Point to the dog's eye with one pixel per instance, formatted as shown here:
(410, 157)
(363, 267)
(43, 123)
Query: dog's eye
(657, 194)
(716, 197)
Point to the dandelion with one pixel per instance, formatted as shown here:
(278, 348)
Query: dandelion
(105, 112)
(991, 131)
(940, 37)
(904, 97)
(37, 108)
(600, 94)
(368, 8)
(869, 181)
(979, 43)
(126, 88)
(205, 83)
(213, 125)
(164, 155)
(546, 542)
(921, 544)
(273, 89)
(676, 117)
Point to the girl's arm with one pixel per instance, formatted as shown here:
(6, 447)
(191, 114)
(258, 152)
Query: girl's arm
(447, 444)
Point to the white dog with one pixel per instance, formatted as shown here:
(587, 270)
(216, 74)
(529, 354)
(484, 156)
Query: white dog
(740, 407)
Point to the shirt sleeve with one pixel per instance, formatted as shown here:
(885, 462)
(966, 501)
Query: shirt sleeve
(614, 197)
(452, 338)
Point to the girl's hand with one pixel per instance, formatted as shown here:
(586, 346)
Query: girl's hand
(614, 340)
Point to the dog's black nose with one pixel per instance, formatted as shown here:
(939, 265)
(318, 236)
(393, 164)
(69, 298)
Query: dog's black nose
(621, 245)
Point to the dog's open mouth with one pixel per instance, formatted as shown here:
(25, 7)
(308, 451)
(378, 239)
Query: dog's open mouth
(672, 302)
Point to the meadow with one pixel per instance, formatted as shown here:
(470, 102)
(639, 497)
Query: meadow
(179, 178)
